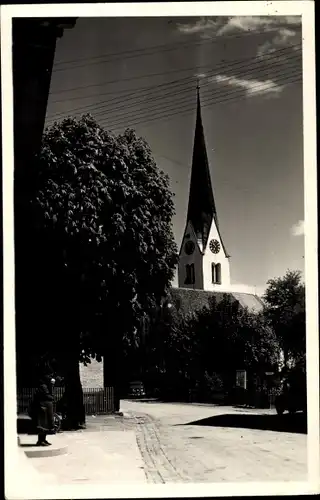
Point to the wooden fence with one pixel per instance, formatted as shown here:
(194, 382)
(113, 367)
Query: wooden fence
(96, 401)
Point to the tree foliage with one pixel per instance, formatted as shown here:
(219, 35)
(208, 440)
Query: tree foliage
(101, 249)
(285, 307)
(205, 348)
(232, 337)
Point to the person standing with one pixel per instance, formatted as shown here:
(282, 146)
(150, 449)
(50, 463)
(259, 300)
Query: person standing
(42, 410)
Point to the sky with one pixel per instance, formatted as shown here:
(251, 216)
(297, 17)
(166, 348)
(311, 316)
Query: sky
(142, 73)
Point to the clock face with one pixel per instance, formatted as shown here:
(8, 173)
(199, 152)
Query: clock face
(189, 247)
(214, 246)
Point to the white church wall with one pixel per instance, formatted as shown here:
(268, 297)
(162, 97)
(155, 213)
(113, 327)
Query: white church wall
(218, 258)
(195, 258)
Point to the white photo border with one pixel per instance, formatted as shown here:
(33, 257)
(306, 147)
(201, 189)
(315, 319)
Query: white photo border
(18, 483)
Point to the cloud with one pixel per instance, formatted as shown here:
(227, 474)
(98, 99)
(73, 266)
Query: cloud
(284, 38)
(200, 26)
(245, 23)
(291, 20)
(224, 25)
(298, 228)
(258, 23)
(200, 75)
(286, 30)
(252, 87)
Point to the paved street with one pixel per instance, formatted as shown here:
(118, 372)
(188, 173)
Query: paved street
(173, 443)
(201, 443)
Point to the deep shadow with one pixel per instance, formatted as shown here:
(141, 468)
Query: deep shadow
(25, 425)
(296, 423)
(28, 445)
(143, 400)
(171, 402)
(195, 403)
(243, 407)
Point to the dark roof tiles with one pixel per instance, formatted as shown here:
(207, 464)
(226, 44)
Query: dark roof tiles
(188, 300)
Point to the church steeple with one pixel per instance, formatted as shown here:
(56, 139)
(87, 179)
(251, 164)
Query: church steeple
(203, 260)
(201, 208)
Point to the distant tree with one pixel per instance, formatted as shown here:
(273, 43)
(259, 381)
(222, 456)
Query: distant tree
(204, 349)
(230, 337)
(101, 251)
(285, 307)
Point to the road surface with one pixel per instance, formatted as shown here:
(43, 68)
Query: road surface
(207, 443)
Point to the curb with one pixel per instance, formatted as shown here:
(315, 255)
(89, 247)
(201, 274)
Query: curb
(35, 452)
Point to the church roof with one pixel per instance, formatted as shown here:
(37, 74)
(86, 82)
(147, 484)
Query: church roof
(188, 300)
(252, 302)
(201, 208)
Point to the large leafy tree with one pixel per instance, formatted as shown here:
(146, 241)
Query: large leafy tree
(285, 307)
(101, 251)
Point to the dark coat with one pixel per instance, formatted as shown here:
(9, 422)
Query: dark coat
(41, 410)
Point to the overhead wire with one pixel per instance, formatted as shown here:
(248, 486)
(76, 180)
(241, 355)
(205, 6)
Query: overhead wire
(165, 45)
(146, 122)
(180, 101)
(149, 51)
(186, 110)
(177, 103)
(102, 108)
(176, 83)
(179, 82)
(136, 77)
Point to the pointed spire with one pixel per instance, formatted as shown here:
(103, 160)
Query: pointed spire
(201, 209)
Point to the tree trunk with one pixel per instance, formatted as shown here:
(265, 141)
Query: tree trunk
(74, 405)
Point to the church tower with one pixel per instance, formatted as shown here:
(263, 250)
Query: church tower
(203, 259)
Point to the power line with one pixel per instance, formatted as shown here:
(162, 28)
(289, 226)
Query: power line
(183, 83)
(187, 111)
(216, 95)
(184, 99)
(148, 51)
(158, 115)
(110, 92)
(169, 159)
(182, 111)
(154, 47)
(104, 107)
(179, 82)
(148, 75)
(168, 116)
(181, 101)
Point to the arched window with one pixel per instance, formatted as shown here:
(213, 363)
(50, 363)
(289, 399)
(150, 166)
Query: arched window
(218, 274)
(213, 272)
(190, 275)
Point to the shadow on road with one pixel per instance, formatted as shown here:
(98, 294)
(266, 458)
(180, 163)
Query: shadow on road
(173, 402)
(296, 423)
